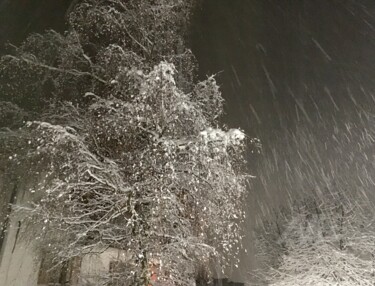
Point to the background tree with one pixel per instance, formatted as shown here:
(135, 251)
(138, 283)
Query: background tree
(129, 145)
(327, 242)
(269, 244)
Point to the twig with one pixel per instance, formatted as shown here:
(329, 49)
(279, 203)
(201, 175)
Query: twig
(72, 71)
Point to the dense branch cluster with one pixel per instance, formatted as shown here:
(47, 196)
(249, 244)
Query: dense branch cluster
(128, 144)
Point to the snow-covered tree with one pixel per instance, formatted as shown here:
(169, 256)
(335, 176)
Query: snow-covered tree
(130, 147)
(268, 244)
(327, 242)
(103, 38)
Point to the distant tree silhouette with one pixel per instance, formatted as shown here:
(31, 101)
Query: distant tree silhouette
(325, 241)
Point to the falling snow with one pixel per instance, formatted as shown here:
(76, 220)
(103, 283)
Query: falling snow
(298, 82)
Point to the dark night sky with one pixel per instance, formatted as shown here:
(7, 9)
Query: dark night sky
(18, 18)
(299, 75)
(305, 68)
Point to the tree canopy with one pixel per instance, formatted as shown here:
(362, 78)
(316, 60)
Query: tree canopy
(129, 145)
